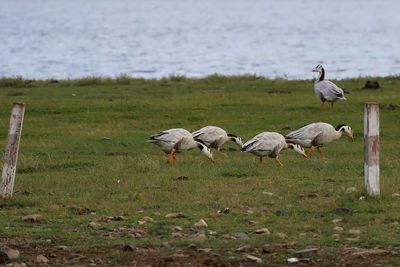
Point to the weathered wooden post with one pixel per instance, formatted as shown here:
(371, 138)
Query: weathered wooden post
(371, 148)
(11, 156)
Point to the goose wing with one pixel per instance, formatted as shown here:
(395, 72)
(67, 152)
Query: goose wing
(329, 90)
(209, 134)
(265, 141)
(170, 136)
(305, 135)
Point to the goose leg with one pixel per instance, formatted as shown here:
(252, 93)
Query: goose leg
(332, 104)
(174, 158)
(309, 153)
(320, 152)
(171, 155)
(222, 153)
(260, 162)
(277, 160)
(322, 105)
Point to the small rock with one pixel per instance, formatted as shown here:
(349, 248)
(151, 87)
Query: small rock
(214, 204)
(268, 193)
(355, 232)
(32, 218)
(351, 190)
(193, 246)
(253, 222)
(181, 178)
(118, 218)
(361, 198)
(93, 225)
(335, 236)
(54, 207)
(243, 249)
(338, 228)
(371, 85)
(177, 228)
(252, 258)
(240, 235)
(286, 128)
(304, 253)
(282, 213)
(336, 220)
(343, 211)
(206, 250)
(106, 139)
(281, 235)
(179, 255)
(142, 222)
(73, 94)
(157, 213)
(212, 232)
(229, 237)
(147, 219)
(61, 247)
(395, 195)
(175, 215)
(7, 254)
(129, 247)
(262, 231)
(41, 259)
(201, 223)
(293, 260)
(177, 234)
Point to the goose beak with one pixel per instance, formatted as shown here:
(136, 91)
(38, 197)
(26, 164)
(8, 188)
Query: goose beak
(352, 138)
(305, 155)
(212, 159)
(314, 70)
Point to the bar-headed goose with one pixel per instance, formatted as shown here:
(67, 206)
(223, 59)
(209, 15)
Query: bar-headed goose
(270, 144)
(325, 89)
(318, 134)
(215, 137)
(178, 140)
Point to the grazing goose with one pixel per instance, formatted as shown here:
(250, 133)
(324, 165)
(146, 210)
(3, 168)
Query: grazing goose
(318, 134)
(270, 144)
(178, 140)
(215, 137)
(325, 89)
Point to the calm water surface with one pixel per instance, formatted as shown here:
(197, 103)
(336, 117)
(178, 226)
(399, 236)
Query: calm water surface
(45, 39)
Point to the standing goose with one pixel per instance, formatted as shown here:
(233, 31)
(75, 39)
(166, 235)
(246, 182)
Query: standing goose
(178, 140)
(215, 137)
(318, 134)
(270, 144)
(325, 89)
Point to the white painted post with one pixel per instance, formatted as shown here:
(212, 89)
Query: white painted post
(11, 156)
(371, 148)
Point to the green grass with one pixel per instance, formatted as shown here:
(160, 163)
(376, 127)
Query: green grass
(63, 161)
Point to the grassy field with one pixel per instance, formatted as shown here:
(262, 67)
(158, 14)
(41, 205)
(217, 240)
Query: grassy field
(72, 177)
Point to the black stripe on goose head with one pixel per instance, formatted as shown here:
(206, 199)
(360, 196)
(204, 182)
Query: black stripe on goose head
(339, 126)
(232, 135)
(322, 77)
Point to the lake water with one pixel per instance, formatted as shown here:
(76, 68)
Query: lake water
(45, 39)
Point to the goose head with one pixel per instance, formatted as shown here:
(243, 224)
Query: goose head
(318, 68)
(298, 149)
(205, 151)
(347, 129)
(238, 140)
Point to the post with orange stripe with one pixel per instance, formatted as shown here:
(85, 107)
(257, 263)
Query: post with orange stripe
(371, 148)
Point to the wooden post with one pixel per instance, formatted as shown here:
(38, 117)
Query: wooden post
(11, 156)
(371, 148)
